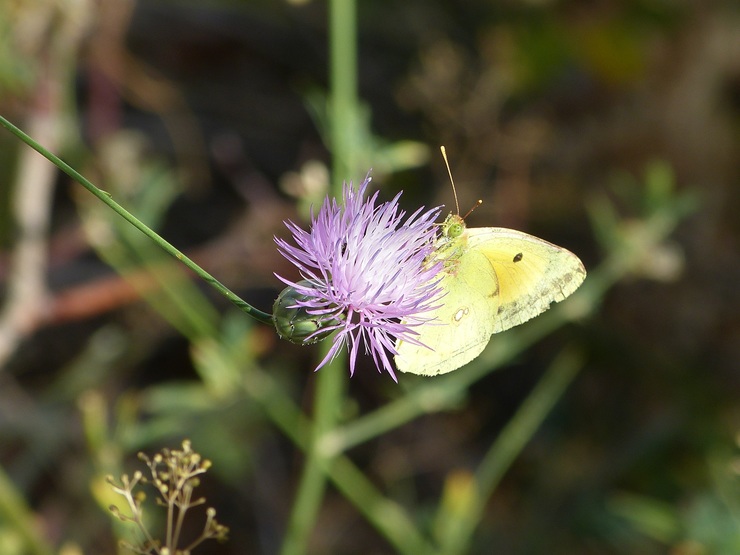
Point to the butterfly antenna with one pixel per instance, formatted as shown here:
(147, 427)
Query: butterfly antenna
(476, 205)
(454, 190)
(452, 181)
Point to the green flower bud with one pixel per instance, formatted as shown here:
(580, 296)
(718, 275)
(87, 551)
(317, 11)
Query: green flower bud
(294, 323)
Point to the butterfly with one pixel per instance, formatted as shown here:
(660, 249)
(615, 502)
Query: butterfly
(493, 279)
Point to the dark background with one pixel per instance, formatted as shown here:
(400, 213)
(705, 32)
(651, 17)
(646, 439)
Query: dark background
(543, 106)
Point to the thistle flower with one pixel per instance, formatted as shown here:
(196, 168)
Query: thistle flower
(366, 276)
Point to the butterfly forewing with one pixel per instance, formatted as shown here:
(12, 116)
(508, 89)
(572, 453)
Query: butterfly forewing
(532, 273)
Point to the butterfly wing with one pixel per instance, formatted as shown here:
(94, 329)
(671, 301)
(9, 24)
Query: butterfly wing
(462, 325)
(501, 279)
(532, 273)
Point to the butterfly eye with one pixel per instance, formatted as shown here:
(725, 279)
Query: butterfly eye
(455, 230)
(453, 227)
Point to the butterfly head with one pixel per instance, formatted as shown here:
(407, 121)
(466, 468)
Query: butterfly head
(453, 227)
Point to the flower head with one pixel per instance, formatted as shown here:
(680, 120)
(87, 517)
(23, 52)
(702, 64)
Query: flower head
(366, 275)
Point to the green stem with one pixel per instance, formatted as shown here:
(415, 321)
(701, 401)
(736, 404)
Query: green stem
(387, 516)
(344, 119)
(312, 485)
(331, 379)
(509, 444)
(138, 224)
(15, 512)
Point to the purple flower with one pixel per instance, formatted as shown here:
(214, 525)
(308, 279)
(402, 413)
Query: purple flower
(366, 275)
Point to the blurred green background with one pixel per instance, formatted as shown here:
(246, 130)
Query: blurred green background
(572, 120)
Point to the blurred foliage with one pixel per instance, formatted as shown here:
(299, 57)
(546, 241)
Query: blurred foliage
(609, 128)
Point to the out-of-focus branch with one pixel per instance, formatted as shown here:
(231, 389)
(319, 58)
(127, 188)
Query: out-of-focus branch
(26, 287)
(26, 291)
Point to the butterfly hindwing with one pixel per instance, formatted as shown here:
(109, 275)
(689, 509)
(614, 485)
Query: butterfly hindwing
(462, 325)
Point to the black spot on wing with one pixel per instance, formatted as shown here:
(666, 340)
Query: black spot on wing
(518, 257)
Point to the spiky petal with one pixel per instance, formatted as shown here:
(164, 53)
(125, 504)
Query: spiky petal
(366, 273)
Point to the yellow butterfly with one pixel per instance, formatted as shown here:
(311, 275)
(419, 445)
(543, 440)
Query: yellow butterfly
(493, 279)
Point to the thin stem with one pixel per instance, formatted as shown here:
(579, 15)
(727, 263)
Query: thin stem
(509, 444)
(170, 526)
(312, 484)
(182, 508)
(138, 224)
(16, 513)
(331, 379)
(344, 111)
(388, 517)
